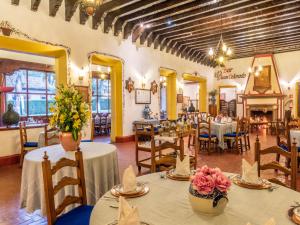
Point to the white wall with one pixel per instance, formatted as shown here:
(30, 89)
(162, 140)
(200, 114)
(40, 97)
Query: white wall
(138, 61)
(288, 66)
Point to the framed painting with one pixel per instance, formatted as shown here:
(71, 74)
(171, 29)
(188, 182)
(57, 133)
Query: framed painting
(262, 82)
(84, 90)
(179, 98)
(142, 96)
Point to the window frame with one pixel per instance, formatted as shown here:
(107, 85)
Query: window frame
(27, 93)
(97, 95)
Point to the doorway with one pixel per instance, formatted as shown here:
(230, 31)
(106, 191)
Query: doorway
(227, 100)
(109, 97)
(199, 86)
(169, 97)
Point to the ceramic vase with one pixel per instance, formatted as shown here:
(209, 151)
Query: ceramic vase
(67, 141)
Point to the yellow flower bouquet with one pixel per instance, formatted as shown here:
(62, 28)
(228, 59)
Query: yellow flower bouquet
(69, 112)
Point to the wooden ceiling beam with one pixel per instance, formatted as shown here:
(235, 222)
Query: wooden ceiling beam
(184, 19)
(149, 11)
(140, 5)
(70, 8)
(83, 17)
(254, 40)
(237, 34)
(246, 20)
(106, 7)
(54, 6)
(35, 4)
(15, 2)
(161, 12)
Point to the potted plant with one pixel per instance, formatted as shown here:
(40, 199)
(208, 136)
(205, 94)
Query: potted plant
(212, 96)
(208, 191)
(70, 114)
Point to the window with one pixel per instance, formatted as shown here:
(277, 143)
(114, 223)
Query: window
(101, 96)
(33, 93)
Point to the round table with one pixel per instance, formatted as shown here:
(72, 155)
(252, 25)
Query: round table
(100, 169)
(168, 203)
(295, 134)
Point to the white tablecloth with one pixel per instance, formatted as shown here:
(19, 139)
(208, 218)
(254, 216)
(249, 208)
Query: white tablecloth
(167, 203)
(220, 129)
(100, 167)
(295, 134)
(41, 141)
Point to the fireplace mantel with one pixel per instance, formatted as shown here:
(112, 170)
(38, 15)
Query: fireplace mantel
(251, 96)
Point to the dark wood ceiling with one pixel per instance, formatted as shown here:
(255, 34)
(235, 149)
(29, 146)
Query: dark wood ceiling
(188, 28)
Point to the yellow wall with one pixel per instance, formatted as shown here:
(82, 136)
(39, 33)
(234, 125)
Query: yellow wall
(171, 92)
(202, 89)
(116, 92)
(59, 53)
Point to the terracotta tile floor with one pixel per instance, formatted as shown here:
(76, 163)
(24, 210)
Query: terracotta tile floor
(10, 177)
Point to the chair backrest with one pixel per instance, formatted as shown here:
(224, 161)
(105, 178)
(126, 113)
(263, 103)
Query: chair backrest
(204, 127)
(238, 126)
(23, 133)
(244, 125)
(288, 171)
(283, 135)
(103, 120)
(50, 134)
(93, 129)
(51, 191)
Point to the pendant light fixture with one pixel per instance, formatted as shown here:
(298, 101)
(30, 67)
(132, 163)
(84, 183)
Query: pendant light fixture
(222, 52)
(90, 6)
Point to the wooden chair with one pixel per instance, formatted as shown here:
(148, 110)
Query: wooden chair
(206, 138)
(103, 124)
(245, 130)
(25, 144)
(77, 216)
(51, 136)
(291, 156)
(235, 138)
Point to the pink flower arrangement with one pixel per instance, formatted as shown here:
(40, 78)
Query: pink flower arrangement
(207, 180)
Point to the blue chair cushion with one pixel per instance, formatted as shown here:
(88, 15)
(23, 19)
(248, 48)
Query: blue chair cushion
(30, 144)
(207, 136)
(285, 148)
(78, 216)
(232, 135)
(86, 141)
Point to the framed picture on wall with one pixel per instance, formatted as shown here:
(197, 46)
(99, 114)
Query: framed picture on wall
(84, 90)
(142, 96)
(239, 99)
(179, 98)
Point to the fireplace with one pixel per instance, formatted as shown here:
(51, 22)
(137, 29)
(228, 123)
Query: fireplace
(262, 113)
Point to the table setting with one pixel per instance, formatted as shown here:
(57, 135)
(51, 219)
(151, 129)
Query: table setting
(210, 196)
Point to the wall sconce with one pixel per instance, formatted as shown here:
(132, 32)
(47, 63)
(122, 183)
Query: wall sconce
(81, 74)
(143, 83)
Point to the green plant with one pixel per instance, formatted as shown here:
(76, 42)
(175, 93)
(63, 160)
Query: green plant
(70, 112)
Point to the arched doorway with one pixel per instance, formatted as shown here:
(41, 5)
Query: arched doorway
(116, 78)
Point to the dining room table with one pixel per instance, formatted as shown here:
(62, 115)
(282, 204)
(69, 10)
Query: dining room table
(295, 135)
(100, 169)
(221, 128)
(168, 203)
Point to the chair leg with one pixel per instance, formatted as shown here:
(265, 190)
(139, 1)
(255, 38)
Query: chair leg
(248, 141)
(22, 155)
(241, 145)
(189, 141)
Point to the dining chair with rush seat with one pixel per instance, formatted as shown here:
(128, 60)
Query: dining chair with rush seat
(25, 144)
(291, 156)
(206, 139)
(234, 140)
(51, 136)
(55, 216)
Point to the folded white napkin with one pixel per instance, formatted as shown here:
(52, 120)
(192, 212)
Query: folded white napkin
(269, 222)
(224, 120)
(129, 180)
(249, 172)
(229, 120)
(183, 167)
(128, 215)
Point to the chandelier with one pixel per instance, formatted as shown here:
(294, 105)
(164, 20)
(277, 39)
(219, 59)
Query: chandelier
(90, 6)
(221, 53)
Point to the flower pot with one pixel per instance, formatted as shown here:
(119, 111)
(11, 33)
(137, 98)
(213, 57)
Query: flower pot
(67, 141)
(210, 206)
